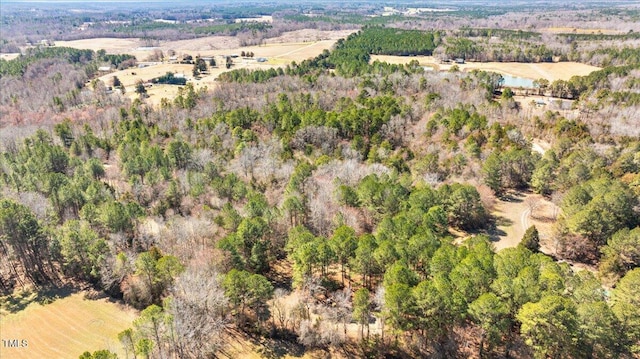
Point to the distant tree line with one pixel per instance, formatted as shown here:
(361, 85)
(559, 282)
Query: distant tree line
(18, 66)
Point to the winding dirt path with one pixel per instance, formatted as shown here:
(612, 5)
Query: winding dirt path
(524, 219)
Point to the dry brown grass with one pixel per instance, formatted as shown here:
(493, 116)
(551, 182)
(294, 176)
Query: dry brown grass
(130, 77)
(8, 57)
(549, 70)
(401, 60)
(280, 51)
(112, 46)
(567, 30)
(66, 328)
(294, 45)
(514, 215)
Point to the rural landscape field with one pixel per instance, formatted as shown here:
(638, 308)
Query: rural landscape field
(376, 179)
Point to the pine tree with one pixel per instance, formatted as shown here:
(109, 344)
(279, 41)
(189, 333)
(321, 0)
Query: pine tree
(531, 239)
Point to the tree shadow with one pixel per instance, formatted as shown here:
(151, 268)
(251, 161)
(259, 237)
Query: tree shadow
(493, 232)
(280, 276)
(280, 343)
(513, 197)
(280, 280)
(275, 349)
(19, 301)
(502, 221)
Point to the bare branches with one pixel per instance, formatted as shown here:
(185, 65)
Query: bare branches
(199, 313)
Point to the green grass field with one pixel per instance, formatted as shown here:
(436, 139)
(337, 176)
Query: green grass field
(64, 328)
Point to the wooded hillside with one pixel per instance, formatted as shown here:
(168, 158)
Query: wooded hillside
(335, 205)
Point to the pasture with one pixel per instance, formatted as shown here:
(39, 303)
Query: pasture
(66, 327)
(573, 30)
(280, 51)
(291, 46)
(548, 70)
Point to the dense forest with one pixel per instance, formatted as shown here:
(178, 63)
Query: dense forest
(294, 204)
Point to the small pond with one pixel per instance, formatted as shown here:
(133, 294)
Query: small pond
(513, 81)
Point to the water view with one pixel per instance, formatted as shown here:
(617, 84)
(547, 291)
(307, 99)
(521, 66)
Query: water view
(513, 81)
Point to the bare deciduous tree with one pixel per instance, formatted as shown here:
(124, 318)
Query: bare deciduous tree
(533, 203)
(199, 313)
(279, 308)
(342, 308)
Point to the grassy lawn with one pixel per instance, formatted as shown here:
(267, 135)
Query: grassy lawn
(62, 326)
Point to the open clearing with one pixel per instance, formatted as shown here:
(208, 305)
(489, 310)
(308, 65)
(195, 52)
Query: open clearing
(157, 92)
(280, 51)
(66, 328)
(518, 212)
(9, 56)
(549, 70)
(294, 46)
(569, 30)
(111, 45)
